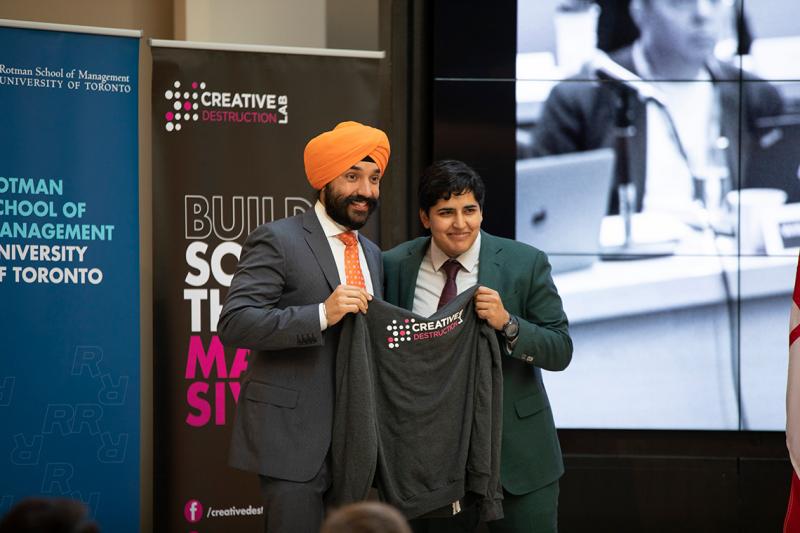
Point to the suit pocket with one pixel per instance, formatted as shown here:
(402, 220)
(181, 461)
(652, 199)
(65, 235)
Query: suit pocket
(264, 393)
(530, 405)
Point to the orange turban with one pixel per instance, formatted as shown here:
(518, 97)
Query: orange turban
(330, 154)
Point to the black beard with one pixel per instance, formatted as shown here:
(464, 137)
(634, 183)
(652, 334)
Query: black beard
(336, 207)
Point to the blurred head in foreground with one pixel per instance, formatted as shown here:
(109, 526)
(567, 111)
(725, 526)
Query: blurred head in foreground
(366, 517)
(46, 515)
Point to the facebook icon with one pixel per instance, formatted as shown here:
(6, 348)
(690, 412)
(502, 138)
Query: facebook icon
(193, 511)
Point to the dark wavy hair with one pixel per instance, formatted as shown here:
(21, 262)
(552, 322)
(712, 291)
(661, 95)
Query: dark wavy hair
(447, 177)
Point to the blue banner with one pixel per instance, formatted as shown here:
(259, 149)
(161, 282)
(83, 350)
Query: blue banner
(69, 271)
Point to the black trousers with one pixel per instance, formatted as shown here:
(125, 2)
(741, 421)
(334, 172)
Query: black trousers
(293, 507)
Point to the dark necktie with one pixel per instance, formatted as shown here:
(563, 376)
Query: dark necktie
(450, 268)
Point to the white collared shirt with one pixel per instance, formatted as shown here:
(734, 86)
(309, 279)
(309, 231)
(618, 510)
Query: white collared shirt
(331, 229)
(431, 279)
(691, 104)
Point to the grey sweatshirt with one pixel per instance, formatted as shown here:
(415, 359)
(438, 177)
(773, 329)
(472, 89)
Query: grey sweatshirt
(418, 408)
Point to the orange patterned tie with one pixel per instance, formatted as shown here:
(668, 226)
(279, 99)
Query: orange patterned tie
(352, 265)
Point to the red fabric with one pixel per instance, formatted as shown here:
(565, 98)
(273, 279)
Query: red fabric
(796, 295)
(791, 523)
(795, 333)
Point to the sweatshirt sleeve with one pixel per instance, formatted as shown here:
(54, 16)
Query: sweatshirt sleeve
(491, 506)
(354, 443)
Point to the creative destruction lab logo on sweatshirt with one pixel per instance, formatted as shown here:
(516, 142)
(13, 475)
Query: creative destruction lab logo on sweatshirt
(409, 330)
(190, 103)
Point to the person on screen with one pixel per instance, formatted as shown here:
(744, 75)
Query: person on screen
(517, 297)
(615, 28)
(699, 103)
(297, 278)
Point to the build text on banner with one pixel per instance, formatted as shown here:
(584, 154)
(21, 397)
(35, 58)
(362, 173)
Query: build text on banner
(229, 128)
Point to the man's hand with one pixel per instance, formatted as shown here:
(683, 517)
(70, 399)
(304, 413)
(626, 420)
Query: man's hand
(345, 299)
(489, 307)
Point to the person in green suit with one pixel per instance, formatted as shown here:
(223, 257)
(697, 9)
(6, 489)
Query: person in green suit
(518, 298)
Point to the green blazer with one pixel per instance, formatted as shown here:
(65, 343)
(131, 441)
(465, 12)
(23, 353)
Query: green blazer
(531, 455)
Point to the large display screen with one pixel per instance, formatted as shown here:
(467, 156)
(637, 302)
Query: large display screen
(656, 150)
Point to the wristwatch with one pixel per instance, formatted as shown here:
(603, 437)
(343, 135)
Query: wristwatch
(511, 328)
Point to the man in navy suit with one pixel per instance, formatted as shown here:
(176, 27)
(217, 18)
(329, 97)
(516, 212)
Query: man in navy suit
(297, 277)
(701, 96)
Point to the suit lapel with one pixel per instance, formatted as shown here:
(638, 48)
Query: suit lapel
(637, 153)
(489, 261)
(374, 266)
(637, 161)
(728, 96)
(409, 269)
(731, 129)
(318, 243)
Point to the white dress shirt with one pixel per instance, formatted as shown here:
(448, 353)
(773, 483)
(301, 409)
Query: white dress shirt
(692, 105)
(431, 277)
(331, 230)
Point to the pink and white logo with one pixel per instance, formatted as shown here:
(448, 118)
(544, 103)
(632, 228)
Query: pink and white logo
(409, 330)
(399, 332)
(184, 105)
(197, 103)
(193, 511)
